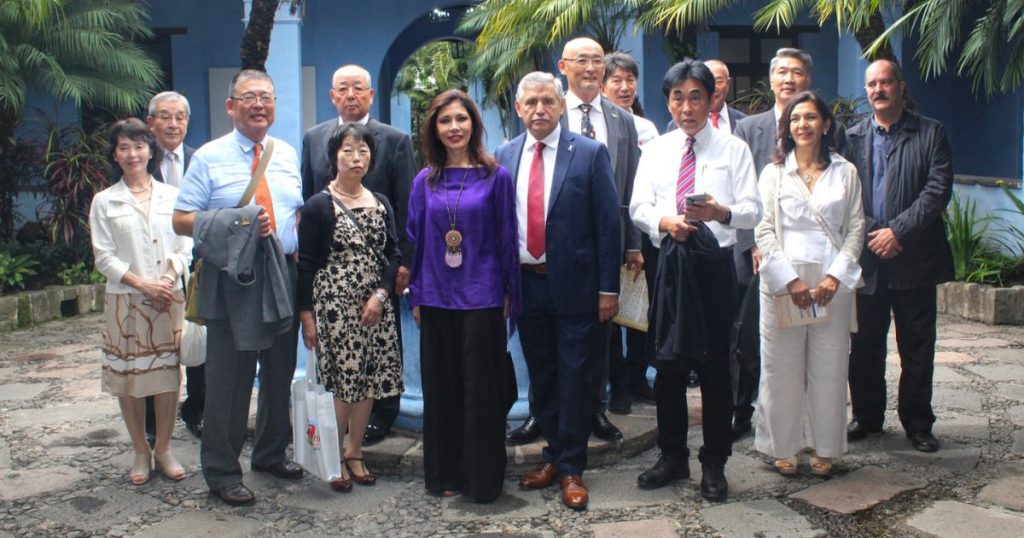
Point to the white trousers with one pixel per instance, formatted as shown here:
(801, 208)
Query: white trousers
(802, 397)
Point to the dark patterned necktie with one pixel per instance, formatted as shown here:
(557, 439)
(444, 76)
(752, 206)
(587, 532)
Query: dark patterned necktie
(587, 128)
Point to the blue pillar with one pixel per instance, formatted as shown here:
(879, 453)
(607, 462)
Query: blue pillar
(284, 65)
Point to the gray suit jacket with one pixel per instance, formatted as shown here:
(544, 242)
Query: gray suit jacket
(393, 169)
(624, 150)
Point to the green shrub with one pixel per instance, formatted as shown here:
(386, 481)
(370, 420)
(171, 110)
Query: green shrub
(14, 269)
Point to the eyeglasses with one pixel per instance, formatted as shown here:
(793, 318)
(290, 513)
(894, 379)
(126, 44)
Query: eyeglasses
(583, 61)
(251, 98)
(180, 118)
(356, 90)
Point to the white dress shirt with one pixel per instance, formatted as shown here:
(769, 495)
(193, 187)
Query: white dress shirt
(724, 169)
(645, 130)
(523, 186)
(364, 120)
(575, 117)
(173, 158)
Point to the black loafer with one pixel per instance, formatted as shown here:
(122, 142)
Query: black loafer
(923, 441)
(196, 428)
(858, 430)
(603, 429)
(619, 401)
(235, 494)
(282, 469)
(374, 434)
(527, 433)
(741, 428)
(667, 469)
(713, 485)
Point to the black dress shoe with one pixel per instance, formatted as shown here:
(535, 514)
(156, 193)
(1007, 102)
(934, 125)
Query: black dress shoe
(281, 469)
(619, 401)
(196, 428)
(713, 485)
(858, 430)
(667, 469)
(374, 434)
(603, 429)
(643, 393)
(527, 433)
(924, 441)
(235, 494)
(741, 428)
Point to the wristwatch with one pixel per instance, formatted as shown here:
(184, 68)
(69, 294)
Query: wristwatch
(381, 296)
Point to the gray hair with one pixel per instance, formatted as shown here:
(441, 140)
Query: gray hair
(168, 96)
(539, 78)
(247, 75)
(791, 53)
(361, 69)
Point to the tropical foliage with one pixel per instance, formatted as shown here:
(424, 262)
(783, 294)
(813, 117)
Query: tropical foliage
(76, 169)
(429, 71)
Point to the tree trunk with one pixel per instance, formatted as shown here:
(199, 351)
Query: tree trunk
(256, 39)
(868, 34)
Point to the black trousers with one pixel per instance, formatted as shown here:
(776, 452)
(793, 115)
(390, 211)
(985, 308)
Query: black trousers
(914, 312)
(466, 377)
(718, 291)
(195, 387)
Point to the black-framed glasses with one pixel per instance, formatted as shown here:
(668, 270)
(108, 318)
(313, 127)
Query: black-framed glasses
(251, 98)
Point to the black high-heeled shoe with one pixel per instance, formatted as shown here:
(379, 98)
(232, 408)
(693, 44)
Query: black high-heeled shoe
(367, 479)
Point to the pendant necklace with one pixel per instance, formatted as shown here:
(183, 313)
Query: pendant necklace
(345, 194)
(453, 239)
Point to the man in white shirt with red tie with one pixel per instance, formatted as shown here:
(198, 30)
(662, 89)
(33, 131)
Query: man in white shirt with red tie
(696, 161)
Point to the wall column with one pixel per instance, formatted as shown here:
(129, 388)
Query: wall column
(284, 65)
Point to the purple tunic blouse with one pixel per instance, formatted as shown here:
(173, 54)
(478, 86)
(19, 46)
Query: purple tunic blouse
(486, 218)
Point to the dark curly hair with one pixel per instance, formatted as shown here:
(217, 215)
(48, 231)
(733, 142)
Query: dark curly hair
(132, 129)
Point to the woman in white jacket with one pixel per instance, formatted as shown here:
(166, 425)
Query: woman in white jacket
(809, 239)
(143, 260)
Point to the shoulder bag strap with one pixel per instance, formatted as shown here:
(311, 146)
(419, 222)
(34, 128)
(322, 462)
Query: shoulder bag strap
(257, 173)
(359, 227)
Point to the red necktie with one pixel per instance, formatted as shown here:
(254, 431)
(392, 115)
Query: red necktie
(262, 194)
(535, 204)
(714, 119)
(687, 175)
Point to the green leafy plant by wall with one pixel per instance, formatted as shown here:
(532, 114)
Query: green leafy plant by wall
(14, 269)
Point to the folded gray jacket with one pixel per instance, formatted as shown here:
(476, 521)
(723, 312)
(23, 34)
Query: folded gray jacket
(245, 279)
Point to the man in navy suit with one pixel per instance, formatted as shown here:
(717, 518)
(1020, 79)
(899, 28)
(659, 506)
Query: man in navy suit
(570, 250)
(168, 117)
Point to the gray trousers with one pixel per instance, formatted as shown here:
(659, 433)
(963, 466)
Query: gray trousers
(229, 379)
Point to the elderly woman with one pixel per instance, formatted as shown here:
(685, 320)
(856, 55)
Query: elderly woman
(810, 240)
(137, 250)
(348, 260)
(464, 279)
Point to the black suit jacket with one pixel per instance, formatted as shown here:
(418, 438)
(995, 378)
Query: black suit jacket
(919, 173)
(393, 169)
(189, 150)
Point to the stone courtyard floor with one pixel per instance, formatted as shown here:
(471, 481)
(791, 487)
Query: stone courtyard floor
(64, 459)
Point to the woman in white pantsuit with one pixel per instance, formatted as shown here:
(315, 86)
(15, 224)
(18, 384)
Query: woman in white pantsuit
(809, 240)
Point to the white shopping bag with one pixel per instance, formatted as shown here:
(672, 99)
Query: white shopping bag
(314, 426)
(193, 344)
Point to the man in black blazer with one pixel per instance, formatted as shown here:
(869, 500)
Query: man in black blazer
(570, 251)
(391, 175)
(168, 117)
(906, 173)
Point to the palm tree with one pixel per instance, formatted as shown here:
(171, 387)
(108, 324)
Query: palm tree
(861, 18)
(429, 71)
(82, 51)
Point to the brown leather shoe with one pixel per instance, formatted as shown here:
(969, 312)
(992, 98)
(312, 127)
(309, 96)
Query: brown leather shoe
(574, 493)
(541, 478)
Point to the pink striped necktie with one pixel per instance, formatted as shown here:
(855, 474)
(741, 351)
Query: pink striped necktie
(687, 175)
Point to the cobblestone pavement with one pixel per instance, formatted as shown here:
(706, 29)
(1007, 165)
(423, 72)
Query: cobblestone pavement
(64, 459)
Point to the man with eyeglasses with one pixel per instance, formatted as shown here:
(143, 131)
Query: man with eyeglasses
(246, 328)
(391, 175)
(168, 119)
(590, 114)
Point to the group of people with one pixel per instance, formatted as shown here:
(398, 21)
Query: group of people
(782, 229)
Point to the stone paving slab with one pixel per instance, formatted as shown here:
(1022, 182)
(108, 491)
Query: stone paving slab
(21, 391)
(951, 519)
(945, 374)
(84, 388)
(1016, 414)
(513, 504)
(1011, 355)
(745, 473)
(859, 490)
(1007, 492)
(763, 518)
(29, 482)
(958, 343)
(73, 372)
(5, 454)
(961, 426)
(1012, 391)
(956, 398)
(619, 490)
(203, 524)
(953, 357)
(96, 510)
(998, 372)
(971, 329)
(951, 456)
(1018, 442)
(319, 497)
(61, 414)
(648, 528)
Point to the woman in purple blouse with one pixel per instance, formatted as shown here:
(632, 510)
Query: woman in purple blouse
(464, 285)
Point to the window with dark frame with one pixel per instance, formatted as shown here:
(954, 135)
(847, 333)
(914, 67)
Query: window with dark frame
(749, 52)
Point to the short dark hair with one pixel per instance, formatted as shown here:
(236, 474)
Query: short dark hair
(688, 69)
(359, 133)
(785, 138)
(132, 129)
(620, 60)
(434, 151)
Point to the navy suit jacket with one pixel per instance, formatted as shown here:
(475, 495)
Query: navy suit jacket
(582, 226)
(189, 150)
